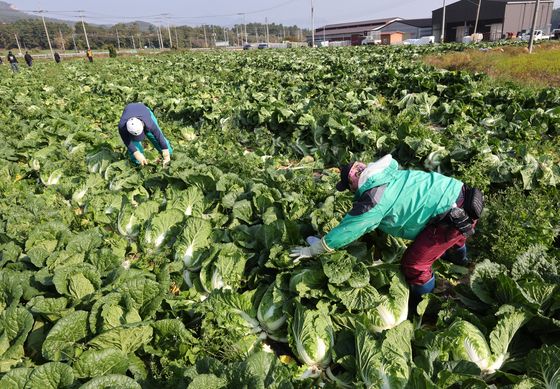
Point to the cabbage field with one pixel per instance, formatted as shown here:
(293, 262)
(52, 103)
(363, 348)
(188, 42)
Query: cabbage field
(118, 277)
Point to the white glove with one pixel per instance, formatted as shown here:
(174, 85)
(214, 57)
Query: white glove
(316, 247)
(166, 157)
(140, 158)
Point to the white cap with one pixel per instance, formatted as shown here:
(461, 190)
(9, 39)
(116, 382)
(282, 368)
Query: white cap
(134, 126)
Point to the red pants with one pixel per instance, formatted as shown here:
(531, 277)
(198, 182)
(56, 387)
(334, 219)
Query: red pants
(428, 246)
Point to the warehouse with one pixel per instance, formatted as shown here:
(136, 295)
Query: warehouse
(412, 28)
(497, 19)
(353, 32)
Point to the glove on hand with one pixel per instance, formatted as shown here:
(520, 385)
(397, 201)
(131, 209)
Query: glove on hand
(166, 157)
(461, 221)
(316, 247)
(140, 158)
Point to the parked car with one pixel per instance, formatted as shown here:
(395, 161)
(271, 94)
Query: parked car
(247, 46)
(539, 35)
(425, 40)
(262, 46)
(555, 34)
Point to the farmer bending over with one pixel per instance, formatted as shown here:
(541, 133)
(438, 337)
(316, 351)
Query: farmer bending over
(437, 212)
(138, 122)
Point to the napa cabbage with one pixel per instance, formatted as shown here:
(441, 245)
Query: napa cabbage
(190, 201)
(468, 343)
(132, 218)
(384, 362)
(390, 310)
(195, 236)
(270, 311)
(311, 336)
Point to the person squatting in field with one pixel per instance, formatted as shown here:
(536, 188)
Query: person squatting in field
(137, 123)
(436, 212)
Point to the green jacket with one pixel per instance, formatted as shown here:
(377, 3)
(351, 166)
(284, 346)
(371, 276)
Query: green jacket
(398, 202)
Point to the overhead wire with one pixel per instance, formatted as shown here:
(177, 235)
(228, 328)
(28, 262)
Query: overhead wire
(78, 14)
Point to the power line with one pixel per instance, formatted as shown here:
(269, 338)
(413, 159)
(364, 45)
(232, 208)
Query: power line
(96, 15)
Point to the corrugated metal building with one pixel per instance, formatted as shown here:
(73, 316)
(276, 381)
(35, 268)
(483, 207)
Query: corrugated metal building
(412, 28)
(497, 18)
(355, 32)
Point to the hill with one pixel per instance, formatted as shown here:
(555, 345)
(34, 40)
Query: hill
(9, 14)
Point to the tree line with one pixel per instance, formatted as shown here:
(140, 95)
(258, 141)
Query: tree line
(31, 35)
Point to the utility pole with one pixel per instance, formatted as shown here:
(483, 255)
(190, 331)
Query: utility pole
(267, 36)
(477, 13)
(118, 39)
(74, 40)
(17, 41)
(312, 26)
(533, 26)
(442, 38)
(46, 32)
(160, 39)
(256, 34)
(244, 31)
(62, 40)
(133, 43)
(85, 32)
(169, 33)
(205, 39)
(176, 38)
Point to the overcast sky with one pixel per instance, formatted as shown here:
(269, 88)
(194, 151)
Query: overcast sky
(227, 12)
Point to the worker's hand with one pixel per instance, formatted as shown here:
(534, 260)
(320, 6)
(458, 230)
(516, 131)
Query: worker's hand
(140, 158)
(316, 247)
(166, 157)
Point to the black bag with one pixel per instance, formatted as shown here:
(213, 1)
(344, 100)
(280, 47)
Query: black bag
(474, 203)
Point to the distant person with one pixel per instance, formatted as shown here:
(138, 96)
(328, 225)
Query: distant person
(137, 123)
(28, 59)
(13, 62)
(56, 57)
(89, 55)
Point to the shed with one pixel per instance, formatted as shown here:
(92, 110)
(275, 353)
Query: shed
(497, 18)
(412, 28)
(392, 37)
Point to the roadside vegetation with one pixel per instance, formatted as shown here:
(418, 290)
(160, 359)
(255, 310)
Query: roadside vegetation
(507, 63)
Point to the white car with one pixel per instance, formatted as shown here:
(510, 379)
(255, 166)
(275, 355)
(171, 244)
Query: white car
(539, 35)
(425, 40)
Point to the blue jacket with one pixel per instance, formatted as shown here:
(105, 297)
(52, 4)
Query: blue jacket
(143, 113)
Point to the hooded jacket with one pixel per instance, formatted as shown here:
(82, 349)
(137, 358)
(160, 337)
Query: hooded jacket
(143, 113)
(398, 202)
